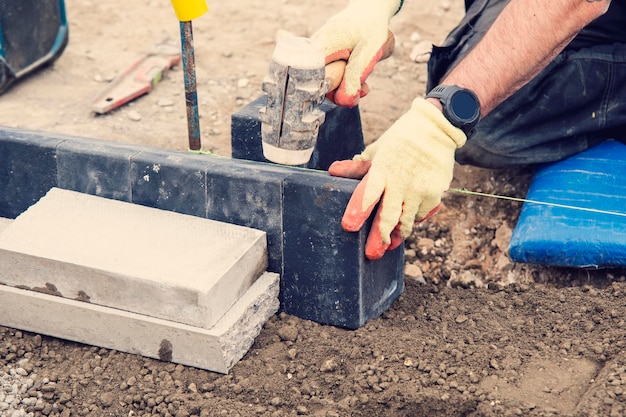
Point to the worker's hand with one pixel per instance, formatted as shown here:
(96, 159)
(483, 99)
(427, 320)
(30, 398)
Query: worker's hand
(407, 170)
(356, 34)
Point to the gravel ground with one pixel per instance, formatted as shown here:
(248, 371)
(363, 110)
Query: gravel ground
(522, 349)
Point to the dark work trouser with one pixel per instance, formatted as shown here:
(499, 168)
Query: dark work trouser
(577, 101)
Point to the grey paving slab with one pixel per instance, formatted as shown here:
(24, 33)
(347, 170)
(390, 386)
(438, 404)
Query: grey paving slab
(4, 223)
(139, 259)
(217, 349)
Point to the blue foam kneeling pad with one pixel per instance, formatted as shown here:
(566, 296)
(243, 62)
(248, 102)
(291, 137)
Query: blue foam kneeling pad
(559, 236)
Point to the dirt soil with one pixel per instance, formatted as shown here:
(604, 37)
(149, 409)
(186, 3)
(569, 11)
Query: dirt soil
(473, 334)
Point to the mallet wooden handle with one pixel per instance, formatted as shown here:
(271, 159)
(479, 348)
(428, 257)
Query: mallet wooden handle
(335, 70)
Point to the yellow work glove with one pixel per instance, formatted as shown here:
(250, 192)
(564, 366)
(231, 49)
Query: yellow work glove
(356, 34)
(407, 170)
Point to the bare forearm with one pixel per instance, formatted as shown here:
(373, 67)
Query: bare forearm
(527, 35)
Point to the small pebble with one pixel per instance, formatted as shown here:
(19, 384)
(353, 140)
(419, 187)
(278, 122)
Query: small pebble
(165, 102)
(329, 365)
(415, 272)
(421, 52)
(134, 115)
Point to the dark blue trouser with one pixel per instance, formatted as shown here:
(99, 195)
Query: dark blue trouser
(576, 102)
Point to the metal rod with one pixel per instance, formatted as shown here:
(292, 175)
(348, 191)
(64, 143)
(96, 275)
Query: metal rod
(191, 96)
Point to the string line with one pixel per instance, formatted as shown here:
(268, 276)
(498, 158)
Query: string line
(545, 203)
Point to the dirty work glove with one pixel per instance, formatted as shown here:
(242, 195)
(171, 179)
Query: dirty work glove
(356, 34)
(407, 169)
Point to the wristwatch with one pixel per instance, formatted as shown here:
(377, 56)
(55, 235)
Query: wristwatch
(460, 106)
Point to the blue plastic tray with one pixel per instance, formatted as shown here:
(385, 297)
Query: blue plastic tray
(594, 179)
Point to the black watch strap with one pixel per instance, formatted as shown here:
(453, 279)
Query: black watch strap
(460, 105)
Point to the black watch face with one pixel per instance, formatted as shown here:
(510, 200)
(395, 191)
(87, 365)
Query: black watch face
(463, 105)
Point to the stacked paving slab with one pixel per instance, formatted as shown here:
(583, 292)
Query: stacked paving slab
(136, 279)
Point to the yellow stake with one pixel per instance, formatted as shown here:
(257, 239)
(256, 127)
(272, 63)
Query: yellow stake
(188, 10)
